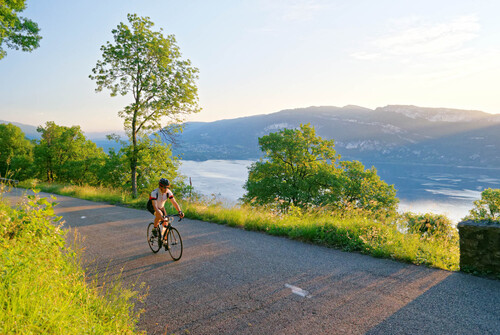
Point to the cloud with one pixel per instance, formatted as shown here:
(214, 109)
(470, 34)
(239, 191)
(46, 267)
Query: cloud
(423, 39)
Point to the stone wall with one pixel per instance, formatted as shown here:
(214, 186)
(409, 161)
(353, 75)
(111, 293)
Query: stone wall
(480, 247)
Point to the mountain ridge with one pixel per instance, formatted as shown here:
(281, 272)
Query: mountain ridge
(394, 133)
(391, 133)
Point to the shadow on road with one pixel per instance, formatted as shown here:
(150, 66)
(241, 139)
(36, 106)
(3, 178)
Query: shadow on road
(450, 307)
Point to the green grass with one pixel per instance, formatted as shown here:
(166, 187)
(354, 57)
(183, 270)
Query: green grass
(104, 194)
(43, 287)
(350, 232)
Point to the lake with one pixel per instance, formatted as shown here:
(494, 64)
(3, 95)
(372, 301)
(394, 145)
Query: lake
(421, 188)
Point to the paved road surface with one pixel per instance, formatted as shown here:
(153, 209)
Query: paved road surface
(231, 281)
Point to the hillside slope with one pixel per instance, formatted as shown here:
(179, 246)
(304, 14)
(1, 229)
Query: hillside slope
(390, 134)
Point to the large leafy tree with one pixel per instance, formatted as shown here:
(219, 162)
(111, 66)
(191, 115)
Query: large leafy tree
(302, 169)
(149, 66)
(64, 154)
(17, 32)
(16, 152)
(298, 168)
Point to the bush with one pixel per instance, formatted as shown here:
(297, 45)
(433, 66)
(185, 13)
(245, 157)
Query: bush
(429, 225)
(488, 208)
(43, 288)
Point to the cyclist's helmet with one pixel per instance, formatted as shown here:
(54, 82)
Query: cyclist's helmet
(164, 182)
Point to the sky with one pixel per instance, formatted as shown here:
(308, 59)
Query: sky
(260, 57)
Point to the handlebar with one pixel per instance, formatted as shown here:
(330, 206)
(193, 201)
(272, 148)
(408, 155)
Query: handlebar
(166, 217)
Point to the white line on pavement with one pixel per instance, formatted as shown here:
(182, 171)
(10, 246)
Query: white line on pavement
(298, 291)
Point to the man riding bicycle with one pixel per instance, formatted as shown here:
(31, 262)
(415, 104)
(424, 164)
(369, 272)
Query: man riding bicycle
(157, 200)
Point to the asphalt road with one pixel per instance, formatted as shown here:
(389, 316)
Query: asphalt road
(231, 281)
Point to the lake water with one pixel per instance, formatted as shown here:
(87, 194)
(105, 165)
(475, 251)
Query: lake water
(420, 188)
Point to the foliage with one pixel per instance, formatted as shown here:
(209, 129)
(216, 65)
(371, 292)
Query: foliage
(429, 225)
(43, 288)
(148, 65)
(17, 32)
(488, 208)
(16, 152)
(364, 189)
(114, 172)
(302, 169)
(155, 160)
(298, 169)
(63, 154)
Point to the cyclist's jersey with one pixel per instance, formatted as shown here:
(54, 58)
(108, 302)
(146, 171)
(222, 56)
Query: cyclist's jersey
(160, 197)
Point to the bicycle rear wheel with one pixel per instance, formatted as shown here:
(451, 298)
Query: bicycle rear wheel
(153, 242)
(174, 243)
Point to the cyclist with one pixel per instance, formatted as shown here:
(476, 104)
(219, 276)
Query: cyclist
(157, 200)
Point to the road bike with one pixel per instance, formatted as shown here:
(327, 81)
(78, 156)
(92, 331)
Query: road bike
(173, 242)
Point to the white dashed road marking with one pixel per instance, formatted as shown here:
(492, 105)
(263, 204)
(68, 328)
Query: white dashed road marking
(298, 291)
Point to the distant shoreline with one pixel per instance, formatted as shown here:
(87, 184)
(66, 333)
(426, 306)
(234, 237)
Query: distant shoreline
(435, 188)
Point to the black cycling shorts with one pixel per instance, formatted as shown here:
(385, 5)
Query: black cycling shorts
(151, 209)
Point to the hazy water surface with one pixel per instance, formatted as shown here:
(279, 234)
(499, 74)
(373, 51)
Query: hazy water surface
(420, 188)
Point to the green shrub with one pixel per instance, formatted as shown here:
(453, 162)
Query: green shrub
(429, 225)
(43, 288)
(488, 208)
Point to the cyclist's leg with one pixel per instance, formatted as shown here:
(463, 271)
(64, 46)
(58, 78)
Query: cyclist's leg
(158, 217)
(164, 223)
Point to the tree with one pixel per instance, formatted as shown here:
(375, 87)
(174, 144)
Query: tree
(488, 208)
(114, 171)
(17, 32)
(149, 66)
(298, 169)
(363, 188)
(155, 160)
(63, 154)
(302, 169)
(16, 152)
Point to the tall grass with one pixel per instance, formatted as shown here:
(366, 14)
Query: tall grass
(94, 193)
(349, 231)
(43, 288)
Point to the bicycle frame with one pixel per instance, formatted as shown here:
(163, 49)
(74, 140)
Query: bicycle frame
(170, 237)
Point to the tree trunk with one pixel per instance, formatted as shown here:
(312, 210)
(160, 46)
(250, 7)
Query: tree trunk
(133, 166)
(133, 160)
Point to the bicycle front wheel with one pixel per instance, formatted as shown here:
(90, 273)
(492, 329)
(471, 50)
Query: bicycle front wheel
(174, 243)
(153, 241)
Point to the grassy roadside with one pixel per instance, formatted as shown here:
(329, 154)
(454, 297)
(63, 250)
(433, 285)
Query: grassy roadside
(43, 288)
(354, 232)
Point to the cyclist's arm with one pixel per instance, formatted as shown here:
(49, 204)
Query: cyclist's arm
(177, 207)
